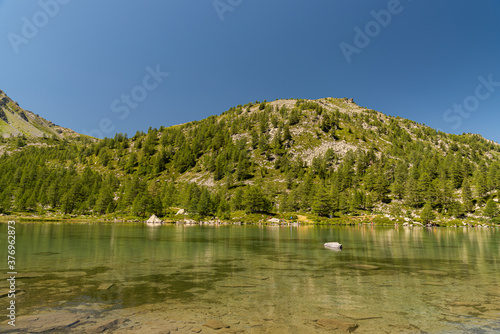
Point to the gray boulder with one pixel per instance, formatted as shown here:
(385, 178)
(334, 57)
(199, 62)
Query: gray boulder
(333, 245)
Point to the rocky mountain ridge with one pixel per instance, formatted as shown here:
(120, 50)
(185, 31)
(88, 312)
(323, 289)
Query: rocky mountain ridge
(16, 121)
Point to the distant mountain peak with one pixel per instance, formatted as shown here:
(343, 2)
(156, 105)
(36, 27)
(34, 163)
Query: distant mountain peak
(16, 121)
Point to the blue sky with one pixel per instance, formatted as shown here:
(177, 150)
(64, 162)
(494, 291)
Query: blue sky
(87, 65)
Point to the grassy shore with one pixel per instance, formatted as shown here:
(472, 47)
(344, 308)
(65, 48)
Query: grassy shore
(241, 217)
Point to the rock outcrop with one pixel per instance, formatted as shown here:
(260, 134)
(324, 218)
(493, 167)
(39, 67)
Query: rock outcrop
(154, 220)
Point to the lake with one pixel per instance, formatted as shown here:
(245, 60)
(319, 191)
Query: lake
(131, 278)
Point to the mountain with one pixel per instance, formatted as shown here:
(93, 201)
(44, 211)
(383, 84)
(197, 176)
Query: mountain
(16, 121)
(325, 157)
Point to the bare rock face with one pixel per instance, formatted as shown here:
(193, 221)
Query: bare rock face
(4, 100)
(3, 116)
(23, 116)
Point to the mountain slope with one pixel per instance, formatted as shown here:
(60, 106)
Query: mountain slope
(16, 121)
(322, 157)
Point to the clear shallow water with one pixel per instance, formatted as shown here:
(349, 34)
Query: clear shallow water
(257, 279)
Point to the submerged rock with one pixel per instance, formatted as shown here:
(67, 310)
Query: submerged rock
(363, 266)
(334, 324)
(433, 272)
(215, 324)
(49, 322)
(105, 286)
(104, 326)
(238, 285)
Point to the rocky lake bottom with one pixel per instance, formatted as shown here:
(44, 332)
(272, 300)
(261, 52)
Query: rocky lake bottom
(129, 278)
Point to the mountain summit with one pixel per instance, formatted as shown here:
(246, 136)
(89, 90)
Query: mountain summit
(16, 121)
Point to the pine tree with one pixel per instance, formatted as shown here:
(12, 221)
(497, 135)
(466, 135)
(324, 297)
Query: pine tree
(370, 179)
(160, 161)
(148, 147)
(104, 157)
(104, 199)
(224, 210)
(456, 209)
(286, 133)
(433, 193)
(294, 117)
(139, 205)
(53, 193)
(343, 202)
(447, 193)
(491, 177)
(255, 200)
(184, 158)
(467, 196)
(424, 183)
(263, 143)
(456, 174)
(168, 195)
(427, 214)
(413, 196)
(255, 140)
(277, 143)
(69, 200)
(322, 205)
(242, 169)
(369, 202)
(220, 167)
(131, 164)
(380, 190)
(491, 209)
(237, 201)
(481, 184)
(204, 205)
(357, 201)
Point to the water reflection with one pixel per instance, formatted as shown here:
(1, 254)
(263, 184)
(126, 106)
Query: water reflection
(427, 277)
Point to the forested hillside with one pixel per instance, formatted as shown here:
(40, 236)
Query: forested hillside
(325, 157)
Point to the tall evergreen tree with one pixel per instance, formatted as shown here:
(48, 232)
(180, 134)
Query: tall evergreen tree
(427, 214)
(205, 203)
(322, 204)
(467, 196)
(413, 196)
(255, 200)
(243, 166)
(491, 209)
(481, 184)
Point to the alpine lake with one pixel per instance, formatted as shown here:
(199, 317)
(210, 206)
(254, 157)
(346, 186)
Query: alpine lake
(132, 278)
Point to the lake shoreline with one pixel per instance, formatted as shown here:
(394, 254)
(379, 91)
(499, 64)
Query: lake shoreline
(376, 220)
(128, 277)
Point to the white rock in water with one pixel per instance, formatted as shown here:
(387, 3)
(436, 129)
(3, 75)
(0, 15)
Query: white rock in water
(333, 245)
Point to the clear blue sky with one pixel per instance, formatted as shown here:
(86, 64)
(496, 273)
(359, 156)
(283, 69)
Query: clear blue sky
(85, 56)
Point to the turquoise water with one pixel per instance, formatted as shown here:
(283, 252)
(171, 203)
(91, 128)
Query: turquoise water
(258, 279)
